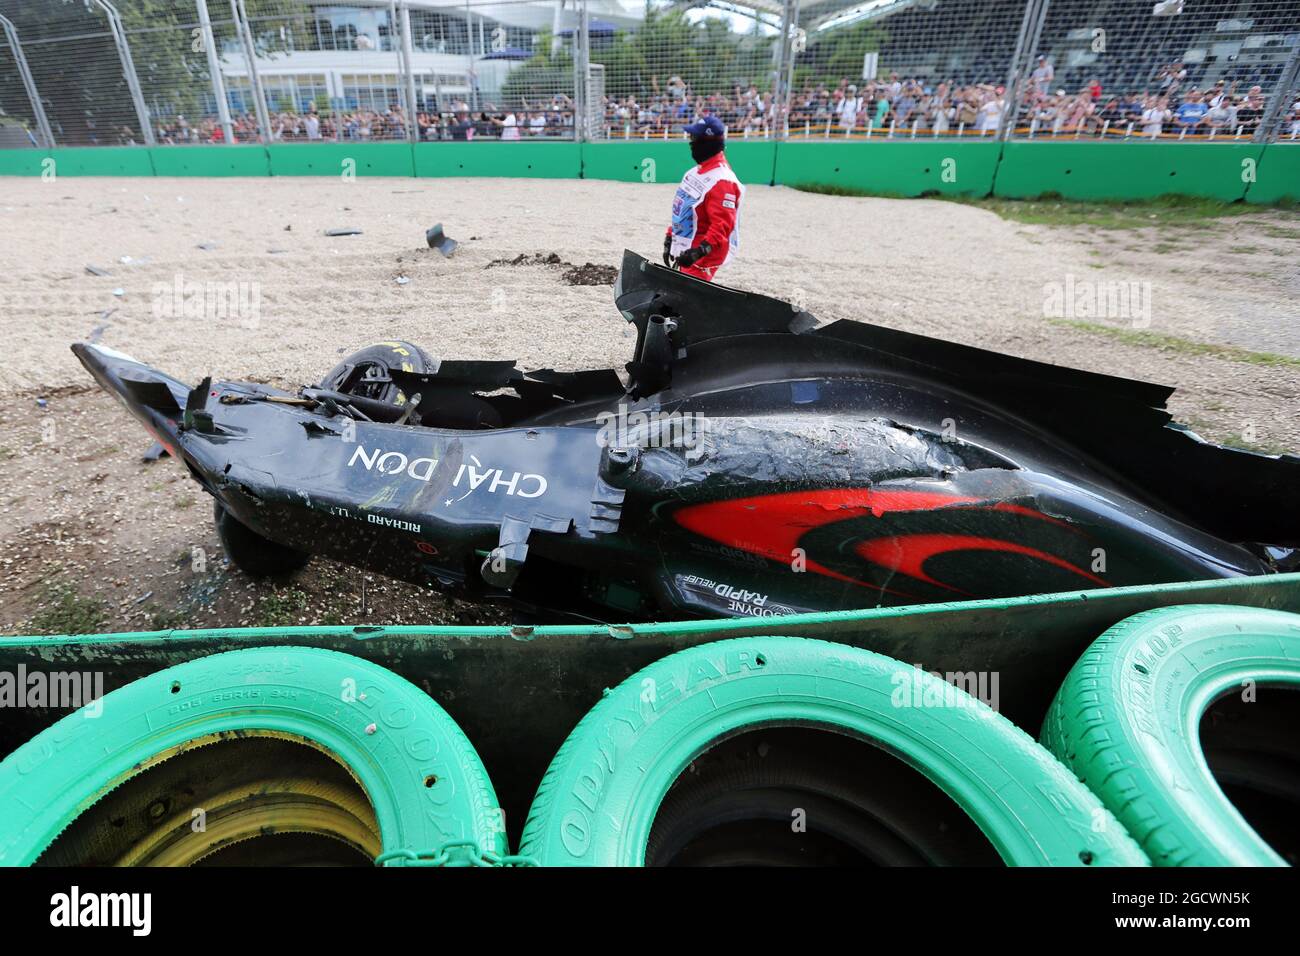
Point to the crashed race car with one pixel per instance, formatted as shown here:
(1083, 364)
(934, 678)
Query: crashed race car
(748, 461)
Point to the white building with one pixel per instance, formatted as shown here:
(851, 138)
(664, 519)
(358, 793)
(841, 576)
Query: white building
(461, 51)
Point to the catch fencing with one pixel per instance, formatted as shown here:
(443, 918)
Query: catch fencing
(177, 72)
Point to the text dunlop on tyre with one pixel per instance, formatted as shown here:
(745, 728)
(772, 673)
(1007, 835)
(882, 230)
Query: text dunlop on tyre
(287, 754)
(1129, 721)
(599, 800)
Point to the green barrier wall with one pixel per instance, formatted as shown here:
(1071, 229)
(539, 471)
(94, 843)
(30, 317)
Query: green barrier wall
(333, 159)
(1131, 170)
(520, 160)
(210, 161)
(97, 161)
(1074, 170)
(660, 161)
(907, 168)
(1278, 175)
(22, 162)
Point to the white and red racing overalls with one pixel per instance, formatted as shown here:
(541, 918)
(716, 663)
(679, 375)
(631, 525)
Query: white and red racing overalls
(705, 209)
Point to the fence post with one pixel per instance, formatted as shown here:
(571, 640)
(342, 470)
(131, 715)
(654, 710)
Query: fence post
(399, 57)
(470, 76)
(582, 74)
(29, 84)
(408, 54)
(240, 14)
(399, 31)
(797, 44)
(781, 51)
(1031, 30)
(128, 69)
(784, 75)
(214, 70)
(1286, 84)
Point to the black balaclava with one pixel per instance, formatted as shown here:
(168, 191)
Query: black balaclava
(706, 147)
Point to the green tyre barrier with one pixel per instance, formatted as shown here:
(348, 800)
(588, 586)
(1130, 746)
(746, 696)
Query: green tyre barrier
(599, 798)
(1127, 721)
(422, 776)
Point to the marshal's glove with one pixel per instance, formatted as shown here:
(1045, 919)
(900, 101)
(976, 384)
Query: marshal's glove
(668, 250)
(693, 255)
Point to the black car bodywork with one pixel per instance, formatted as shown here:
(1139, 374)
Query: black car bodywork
(749, 463)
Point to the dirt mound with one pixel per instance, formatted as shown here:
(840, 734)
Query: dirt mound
(586, 274)
(534, 259)
(590, 274)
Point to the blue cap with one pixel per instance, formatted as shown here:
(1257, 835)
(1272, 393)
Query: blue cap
(707, 126)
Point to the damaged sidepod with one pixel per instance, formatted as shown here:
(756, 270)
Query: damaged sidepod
(747, 461)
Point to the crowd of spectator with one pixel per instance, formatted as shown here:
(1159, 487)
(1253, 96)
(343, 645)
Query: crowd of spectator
(911, 106)
(890, 106)
(553, 119)
(669, 106)
(535, 120)
(899, 104)
(1169, 106)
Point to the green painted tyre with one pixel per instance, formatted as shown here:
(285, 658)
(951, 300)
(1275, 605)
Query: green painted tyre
(417, 776)
(1127, 721)
(598, 801)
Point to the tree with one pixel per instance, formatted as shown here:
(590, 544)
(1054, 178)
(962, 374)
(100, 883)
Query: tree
(78, 72)
(838, 54)
(537, 79)
(707, 55)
